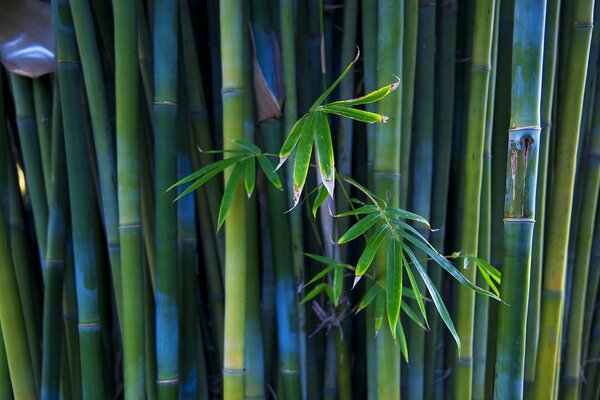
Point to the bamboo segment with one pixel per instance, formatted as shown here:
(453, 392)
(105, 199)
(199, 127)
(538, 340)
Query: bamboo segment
(561, 198)
(129, 198)
(231, 17)
(81, 196)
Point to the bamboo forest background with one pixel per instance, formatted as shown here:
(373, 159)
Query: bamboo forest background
(111, 289)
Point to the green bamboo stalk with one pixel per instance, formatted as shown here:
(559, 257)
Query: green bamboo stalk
(81, 196)
(43, 108)
(129, 198)
(560, 205)
(591, 292)
(5, 386)
(146, 62)
(34, 176)
(54, 264)
(386, 173)
(165, 144)
(533, 308)
(521, 182)
(231, 17)
(103, 138)
(422, 169)
(11, 317)
(479, 78)
(570, 387)
(70, 312)
(590, 390)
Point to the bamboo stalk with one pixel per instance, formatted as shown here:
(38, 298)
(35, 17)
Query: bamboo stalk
(561, 198)
(479, 77)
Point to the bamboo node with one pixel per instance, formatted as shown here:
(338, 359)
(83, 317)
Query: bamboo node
(227, 371)
(170, 381)
(519, 219)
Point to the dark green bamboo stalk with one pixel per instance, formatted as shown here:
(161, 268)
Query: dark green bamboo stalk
(103, 136)
(479, 77)
(165, 157)
(81, 196)
(592, 388)
(591, 293)
(70, 312)
(591, 183)
(231, 17)
(387, 173)
(561, 198)
(548, 79)
(5, 385)
(521, 183)
(129, 198)
(42, 100)
(11, 317)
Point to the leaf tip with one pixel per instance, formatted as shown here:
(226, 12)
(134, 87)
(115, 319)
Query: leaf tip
(356, 280)
(281, 162)
(384, 118)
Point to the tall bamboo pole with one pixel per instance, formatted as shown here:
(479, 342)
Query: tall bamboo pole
(521, 183)
(561, 198)
(235, 226)
(480, 72)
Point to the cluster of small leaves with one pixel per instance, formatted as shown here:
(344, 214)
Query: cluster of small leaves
(243, 162)
(313, 127)
(388, 227)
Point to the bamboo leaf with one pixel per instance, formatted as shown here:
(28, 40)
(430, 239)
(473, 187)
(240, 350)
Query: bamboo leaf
(393, 284)
(374, 198)
(379, 311)
(320, 274)
(402, 340)
(360, 227)
(250, 176)
(398, 212)
(338, 281)
(303, 154)
(322, 259)
(249, 146)
(270, 173)
(322, 287)
(320, 199)
(372, 97)
(353, 113)
(412, 314)
(367, 209)
(325, 94)
(489, 268)
(290, 142)
(234, 178)
(435, 296)
(368, 297)
(366, 258)
(418, 296)
(217, 166)
(325, 151)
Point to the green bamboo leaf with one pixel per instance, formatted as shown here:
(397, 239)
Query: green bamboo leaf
(393, 284)
(367, 209)
(368, 297)
(320, 274)
(320, 199)
(215, 166)
(249, 146)
(415, 289)
(372, 97)
(325, 94)
(322, 287)
(366, 258)
(398, 212)
(201, 182)
(379, 311)
(250, 176)
(227, 200)
(353, 113)
(303, 154)
(322, 259)
(325, 151)
(360, 227)
(488, 280)
(292, 139)
(338, 281)
(402, 340)
(435, 297)
(378, 201)
(412, 314)
(270, 173)
(489, 268)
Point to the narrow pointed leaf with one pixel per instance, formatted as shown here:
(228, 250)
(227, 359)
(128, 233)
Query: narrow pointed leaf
(398, 212)
(325, 94)
(322, 287)
(435, 297)
(250, 176)
(249, 146)
(368, 297)
(217, 166)
(338, 282)
(227, 200)
(379, 311)
(494, 273)
(270, 173)
(374, 198)
(320, 199)
(402, 341)
(292, 139)
(412, 314)
(365, 260)
(372, 97)
(325, 151)
(201, 182)
(353, 113)
(322, 259)
(368, 209)
(303, 154)
(393, 284)
(415, 289)
(320, 274)
(360, 227)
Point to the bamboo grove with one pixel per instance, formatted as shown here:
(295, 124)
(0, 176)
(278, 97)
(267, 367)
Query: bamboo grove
(299, 199)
